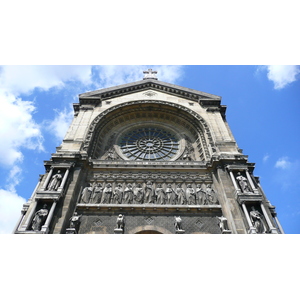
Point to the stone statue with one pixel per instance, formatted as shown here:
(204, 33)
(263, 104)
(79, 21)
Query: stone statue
(149, 193)
(75, 220)
(178, 223)
(243, 183)
(171, 196)
(107, 193)
(138, 194)
(180, 194)
(211, 196)
(200, 195)
(86, 194)
(118, 194)
(128, 194)
(257, 220)
(39, 218)
(120, 222)
(223, 224)
(55, 182)
(160, 194)
(110, 155)
(97, 193)
(190, 195)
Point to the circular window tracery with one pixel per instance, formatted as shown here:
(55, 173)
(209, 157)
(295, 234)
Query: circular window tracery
(149, 143)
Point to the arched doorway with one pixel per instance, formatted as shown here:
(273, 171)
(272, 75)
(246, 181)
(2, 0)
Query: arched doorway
(148, 232)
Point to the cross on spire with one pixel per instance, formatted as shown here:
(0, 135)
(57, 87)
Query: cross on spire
(150, 74)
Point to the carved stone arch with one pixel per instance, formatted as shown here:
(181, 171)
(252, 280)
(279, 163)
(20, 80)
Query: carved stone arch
(149, 228)
(101, 126)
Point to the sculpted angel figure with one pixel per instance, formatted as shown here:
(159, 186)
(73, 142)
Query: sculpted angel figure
(200, 194)
(160, 194)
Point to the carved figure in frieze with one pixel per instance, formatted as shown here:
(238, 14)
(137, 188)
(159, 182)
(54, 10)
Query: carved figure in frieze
(86, 194)
(223, 224)
(257, 220)
(118, 194)
(39, 218)
(180, 194)
(138, 194)
(243, 183)
(200, 194)
(178, 223)
(211, 196)
(107, 193)
(120, 222)
(190, 195)
(128, 194)
(149, 193)
(97, 193)
(55, 182)
(171, 196)
(75, 220)
(160, 194)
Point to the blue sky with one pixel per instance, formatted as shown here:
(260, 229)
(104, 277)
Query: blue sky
(262, 111)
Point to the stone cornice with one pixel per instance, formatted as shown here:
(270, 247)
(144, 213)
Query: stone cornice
(95, 97)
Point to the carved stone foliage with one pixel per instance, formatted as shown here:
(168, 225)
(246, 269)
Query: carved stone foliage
(149, 192)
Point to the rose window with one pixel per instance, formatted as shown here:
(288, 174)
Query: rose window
(149, 144)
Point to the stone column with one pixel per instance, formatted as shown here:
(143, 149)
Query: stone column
(234, 181)
(23, 211)
(254, 189)
(47, 180)
(278, 223)
(45, 227)
(62, 184)
(272, 228)
(252, 229)
(27, 223)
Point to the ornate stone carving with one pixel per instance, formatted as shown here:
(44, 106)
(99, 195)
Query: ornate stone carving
(120, 224)
(74, 224)
(178, 225)
(243, 183)
(55, 182)
(39, 218)
(257, 220)
(223, 224)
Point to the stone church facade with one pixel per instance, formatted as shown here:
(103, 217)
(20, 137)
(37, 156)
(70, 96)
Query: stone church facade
(148, 157)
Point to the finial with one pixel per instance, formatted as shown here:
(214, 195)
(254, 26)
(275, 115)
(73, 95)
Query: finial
(150, 74)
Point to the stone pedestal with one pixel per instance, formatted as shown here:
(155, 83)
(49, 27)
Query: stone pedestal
(180, 231)
(71, 231)
(226, 232)
(118, 231)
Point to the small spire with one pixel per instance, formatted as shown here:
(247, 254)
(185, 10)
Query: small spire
(150, 74)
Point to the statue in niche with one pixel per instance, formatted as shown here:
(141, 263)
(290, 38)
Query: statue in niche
(39, 218)
(86, 194)
(243, 183)
(128, 194)
(180, 194)
(138, 194)
(200, 194)
(149, 193)
(107, 194)
(118, 194)
(178, 223)
(171, 196)
(74, 221)
(190, 195)
(160, 194)
(120, 222)
(55, 182)
(97, 193)
(211, 196)
(223, 224)
(257, 220)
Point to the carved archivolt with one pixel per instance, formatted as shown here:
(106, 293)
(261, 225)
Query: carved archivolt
(101, 136)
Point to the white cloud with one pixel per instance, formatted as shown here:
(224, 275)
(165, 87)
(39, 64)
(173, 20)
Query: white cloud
(17, 129)
(10, 210)
(59, 126)
(283, 163)
(23, 79)
(266, 157)
(282, 75)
